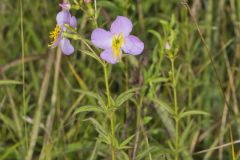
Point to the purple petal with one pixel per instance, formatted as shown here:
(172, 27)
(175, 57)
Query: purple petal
(133, 45)
(108, 56)
(101, 38)
(63, 17)
(73, 22)
(121, 25)
(55, 44)
(66, 46)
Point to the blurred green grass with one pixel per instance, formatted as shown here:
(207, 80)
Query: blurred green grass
(73, 138)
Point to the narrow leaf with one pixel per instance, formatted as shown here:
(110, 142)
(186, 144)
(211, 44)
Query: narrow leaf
(156, 34)
(193, 112)
(88, 109)
(159, 80)
(126, 141)
(9, 82)
(164, 112)
(121, 100)
(103, 136)
(123, 97)
(92, 94)
(10, 150)
(99, 128)
(163, 105)
(144, 153)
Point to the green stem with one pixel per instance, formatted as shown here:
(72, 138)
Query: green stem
(138, 125)
(95, 14)
(106, 84)
(111, 116)
(176, 110)
(113, 135)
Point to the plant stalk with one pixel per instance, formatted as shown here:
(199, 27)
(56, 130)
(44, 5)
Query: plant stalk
(176, 109)
(111, 116)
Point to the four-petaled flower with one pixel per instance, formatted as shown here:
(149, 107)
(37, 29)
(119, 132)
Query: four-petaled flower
(64, 17)
(117, 40)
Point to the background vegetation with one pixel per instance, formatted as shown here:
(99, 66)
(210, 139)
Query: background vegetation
(53, 88)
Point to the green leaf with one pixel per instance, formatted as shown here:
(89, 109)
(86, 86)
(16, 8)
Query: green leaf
(185, 136)
(125, 142)
(165, 112)
(103, 136)
(7, 121)
(105, 139)
(97, 126)
(123, 97)
(123, 155)
(88, 108)
(146, 119)
(156, 34)
(121, 100)
(10, 150)
(93, 95)
(163, 105)
(88, 93)
(9, 82)
(144, 153)
(108, 4)
(68, 148)
(163, 22)
(92, 55)
(159, 80)
(124, 147)
(193, 112)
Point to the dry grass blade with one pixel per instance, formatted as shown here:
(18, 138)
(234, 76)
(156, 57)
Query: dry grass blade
(232, 143)
(17, 62)
(217, 147)
(50, 118)
(38, 112)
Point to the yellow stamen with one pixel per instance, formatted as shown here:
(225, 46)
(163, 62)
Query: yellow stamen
(116, 45)
(54, 34)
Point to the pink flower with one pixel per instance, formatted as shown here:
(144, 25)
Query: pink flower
(116, 40)
(63, 17)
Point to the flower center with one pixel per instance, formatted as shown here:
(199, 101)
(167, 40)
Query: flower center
(116, 45)
(54, 34)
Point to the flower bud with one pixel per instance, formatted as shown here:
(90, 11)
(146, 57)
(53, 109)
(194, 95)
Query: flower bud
(167, 46)
(65, 6)
(87, 1)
